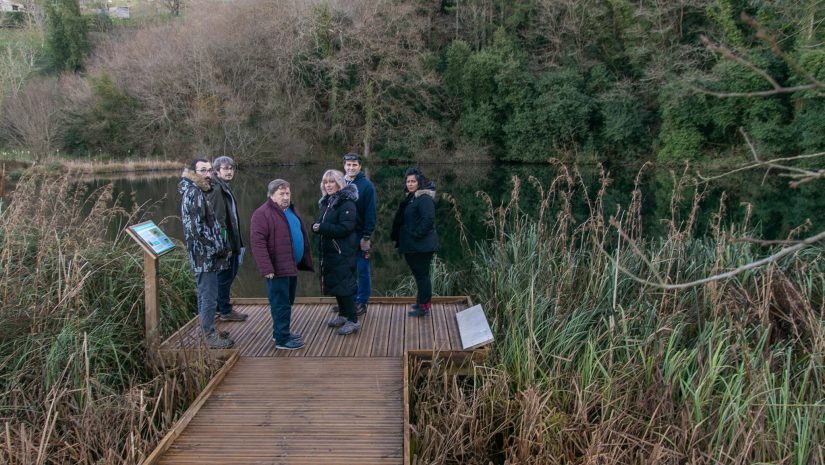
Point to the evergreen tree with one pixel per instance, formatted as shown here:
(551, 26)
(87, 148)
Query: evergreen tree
(66, 40)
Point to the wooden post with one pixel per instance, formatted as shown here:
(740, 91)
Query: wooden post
(151, 273)
(154, 243)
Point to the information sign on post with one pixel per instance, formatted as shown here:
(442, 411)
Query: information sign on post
(154, 243)
(149, 235)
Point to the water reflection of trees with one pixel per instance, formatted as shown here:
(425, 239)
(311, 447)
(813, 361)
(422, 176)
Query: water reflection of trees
(774, 211)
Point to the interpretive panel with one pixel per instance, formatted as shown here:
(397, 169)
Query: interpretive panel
(473, 328)
(152, 238)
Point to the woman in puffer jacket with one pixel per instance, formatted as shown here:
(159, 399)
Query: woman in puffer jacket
(413, 230)
(339, 246)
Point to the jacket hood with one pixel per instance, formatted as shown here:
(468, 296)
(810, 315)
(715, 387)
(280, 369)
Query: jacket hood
(430, 192)
(194, 178)
(348, 192)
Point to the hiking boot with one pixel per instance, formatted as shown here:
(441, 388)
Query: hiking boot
(216, 341)
(233, 316)
(360, 308)
(295, 336)
(223, 334)
(334, 309)
(415, 306)
(337, 322)
(418, 312)
(291, 344)
(349, 328)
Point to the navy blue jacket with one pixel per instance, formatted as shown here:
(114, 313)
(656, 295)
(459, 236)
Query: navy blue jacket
(364, 206)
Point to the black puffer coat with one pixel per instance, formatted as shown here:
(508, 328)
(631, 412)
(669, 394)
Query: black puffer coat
(414, 223)
(339, 243)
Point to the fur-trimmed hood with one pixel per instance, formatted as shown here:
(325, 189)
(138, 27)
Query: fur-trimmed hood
(348, 192)
(430, 192)
(190, 177)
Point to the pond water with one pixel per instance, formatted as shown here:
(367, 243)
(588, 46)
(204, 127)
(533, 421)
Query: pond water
(776, 208)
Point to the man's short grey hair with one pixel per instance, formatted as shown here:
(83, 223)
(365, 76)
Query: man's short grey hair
(275, 185)
(335, 175)
(223, 160)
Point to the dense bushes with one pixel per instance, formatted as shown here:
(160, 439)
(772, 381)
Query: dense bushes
(516, 81)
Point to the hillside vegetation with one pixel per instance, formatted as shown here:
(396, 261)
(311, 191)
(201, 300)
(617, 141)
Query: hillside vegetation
(449, 80)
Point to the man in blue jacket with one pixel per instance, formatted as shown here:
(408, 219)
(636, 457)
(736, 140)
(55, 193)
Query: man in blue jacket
(365, 225)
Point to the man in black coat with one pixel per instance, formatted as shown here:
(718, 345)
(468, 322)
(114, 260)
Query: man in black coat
(225, 207)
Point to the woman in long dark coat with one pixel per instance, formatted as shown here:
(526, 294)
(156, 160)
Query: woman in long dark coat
(413, 230)
(339, 245)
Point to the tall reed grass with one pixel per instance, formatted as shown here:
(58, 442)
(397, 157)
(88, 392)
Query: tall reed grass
(76, 384)
(593, 365)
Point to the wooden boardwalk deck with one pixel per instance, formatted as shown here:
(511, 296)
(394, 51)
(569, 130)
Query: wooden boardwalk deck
(386, 330)
(284, 410)
(339, 400)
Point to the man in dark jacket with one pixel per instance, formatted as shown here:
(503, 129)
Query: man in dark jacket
(223, 203)
(280, 246)
(206, 248)
(364, 227)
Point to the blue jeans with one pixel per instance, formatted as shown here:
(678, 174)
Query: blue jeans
(207, 288)
(362, 295)
(281, 294)
(225, 279)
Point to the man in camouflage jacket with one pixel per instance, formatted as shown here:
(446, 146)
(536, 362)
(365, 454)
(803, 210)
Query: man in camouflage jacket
(207, 249)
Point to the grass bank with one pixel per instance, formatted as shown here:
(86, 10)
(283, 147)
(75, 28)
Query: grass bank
(75, 386)
(593, 366)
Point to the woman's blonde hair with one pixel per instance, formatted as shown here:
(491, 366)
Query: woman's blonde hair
(335, 175)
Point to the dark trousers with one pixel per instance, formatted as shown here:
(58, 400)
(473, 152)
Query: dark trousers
(419, 263)
(346, 307)
(281, 294)
(225, 279)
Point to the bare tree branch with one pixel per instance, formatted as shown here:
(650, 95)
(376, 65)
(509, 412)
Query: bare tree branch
(777, 88)
(798, 245)
(761, 93)
(762, 34)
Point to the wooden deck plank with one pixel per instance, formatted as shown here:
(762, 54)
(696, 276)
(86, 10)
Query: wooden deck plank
(452, 325)
(382, 333)
(299, 411)
(261, 342)
(369, 322)
(307, 326)
(323, 334)
(396, 341)
(412, 326)
(425, 331)
(308, 329)
(441, 340)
